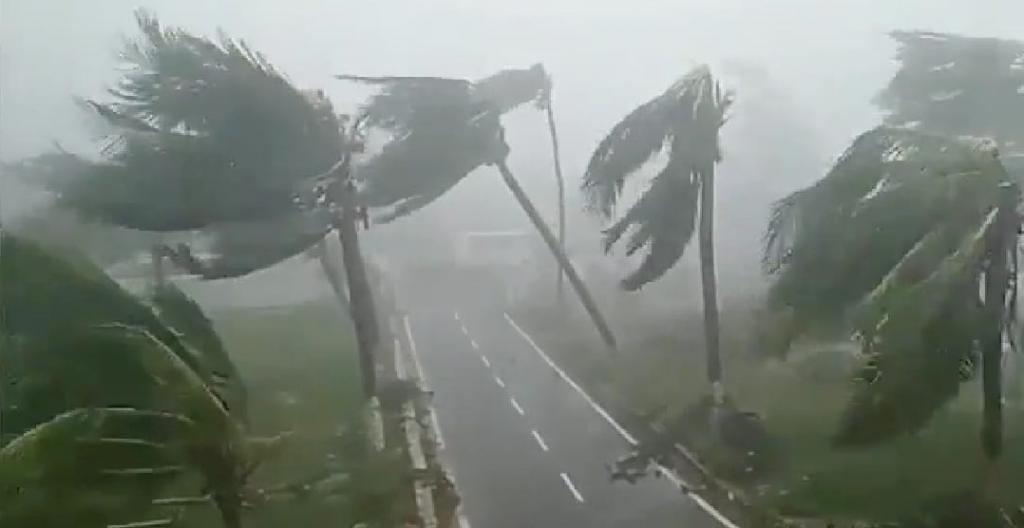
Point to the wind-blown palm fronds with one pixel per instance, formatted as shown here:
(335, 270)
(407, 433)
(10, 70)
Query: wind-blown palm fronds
(894, 242)
(686, 119)
(73, 339)
(91, 468)
(240, 248)
(183, 315)
(444, 129)
(956, 85)
(205, 133)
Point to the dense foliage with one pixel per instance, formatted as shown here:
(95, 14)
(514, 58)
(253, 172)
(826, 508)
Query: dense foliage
(105, 403)
(895, 243)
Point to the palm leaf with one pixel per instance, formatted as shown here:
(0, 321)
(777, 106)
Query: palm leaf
(957, 85)
(687, 117)
(85, 468)
(897, 181)
(665, 218)
(183, 315)
(206, 133)
(920, 349)
(443, 130)
(241, 248)
(690, 111)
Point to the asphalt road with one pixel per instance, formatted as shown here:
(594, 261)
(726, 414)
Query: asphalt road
(526, 448)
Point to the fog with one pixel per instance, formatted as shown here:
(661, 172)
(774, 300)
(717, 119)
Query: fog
(804, 73)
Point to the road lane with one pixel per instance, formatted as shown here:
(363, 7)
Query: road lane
(505, 479)
(526, 449)
(583, 441)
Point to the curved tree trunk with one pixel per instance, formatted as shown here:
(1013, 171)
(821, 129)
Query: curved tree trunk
(560, 256)
(708, 282)
(364, 315)
(333, 276)
(997, 278)
(561, 186)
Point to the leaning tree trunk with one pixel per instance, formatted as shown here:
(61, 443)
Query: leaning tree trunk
(364, 315)
(561, 186)
(560, 256)
(333, 276)
(708, 282)
(997, 279)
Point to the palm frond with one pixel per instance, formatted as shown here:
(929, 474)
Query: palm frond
(665, 217)
(206, 132)
(894, 181)
(957, 85)
(183, 315)
(920, 348)
(412, 171)
(241, 248)
(86, 467)
(408, 103)
(691, 111)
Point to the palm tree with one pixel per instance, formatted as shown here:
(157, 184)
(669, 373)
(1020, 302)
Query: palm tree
(909, 241)
(108, 402)
(209, 136)
(685, 119)
(443, 129)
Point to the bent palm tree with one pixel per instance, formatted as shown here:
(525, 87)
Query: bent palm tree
(444, 129)
(685, 119)
(209, 136)
(910, 240)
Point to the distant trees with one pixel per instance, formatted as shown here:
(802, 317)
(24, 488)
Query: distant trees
(911, 241)
(685, 119)
(443, 129)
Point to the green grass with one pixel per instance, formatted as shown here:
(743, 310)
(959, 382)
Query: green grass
(660, 370)
(300, 366)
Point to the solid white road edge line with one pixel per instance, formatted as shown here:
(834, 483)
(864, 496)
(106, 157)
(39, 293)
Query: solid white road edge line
(517, 407)
(669, 474)
(540, 441)
(572, 487)
(422, 377)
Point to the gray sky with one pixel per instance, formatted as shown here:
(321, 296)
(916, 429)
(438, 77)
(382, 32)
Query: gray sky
(804, 72)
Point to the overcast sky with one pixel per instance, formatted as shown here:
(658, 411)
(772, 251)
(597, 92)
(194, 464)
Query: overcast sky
(801, 68)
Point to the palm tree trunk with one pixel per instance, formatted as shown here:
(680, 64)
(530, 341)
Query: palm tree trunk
(997, 277)
(561, 187)
(333, 277)
(560, 256)
(708, 282)
(364, 315)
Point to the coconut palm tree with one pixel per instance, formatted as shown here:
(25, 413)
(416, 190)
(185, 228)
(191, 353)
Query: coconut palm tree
(209, 136)
(910, 242)
(685, 119)
(443, 129)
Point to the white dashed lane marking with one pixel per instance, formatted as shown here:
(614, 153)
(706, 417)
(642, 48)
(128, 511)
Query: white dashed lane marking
(540, 441)
(517, 407)
(572, 487)
(499, 381)
(486, 361)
